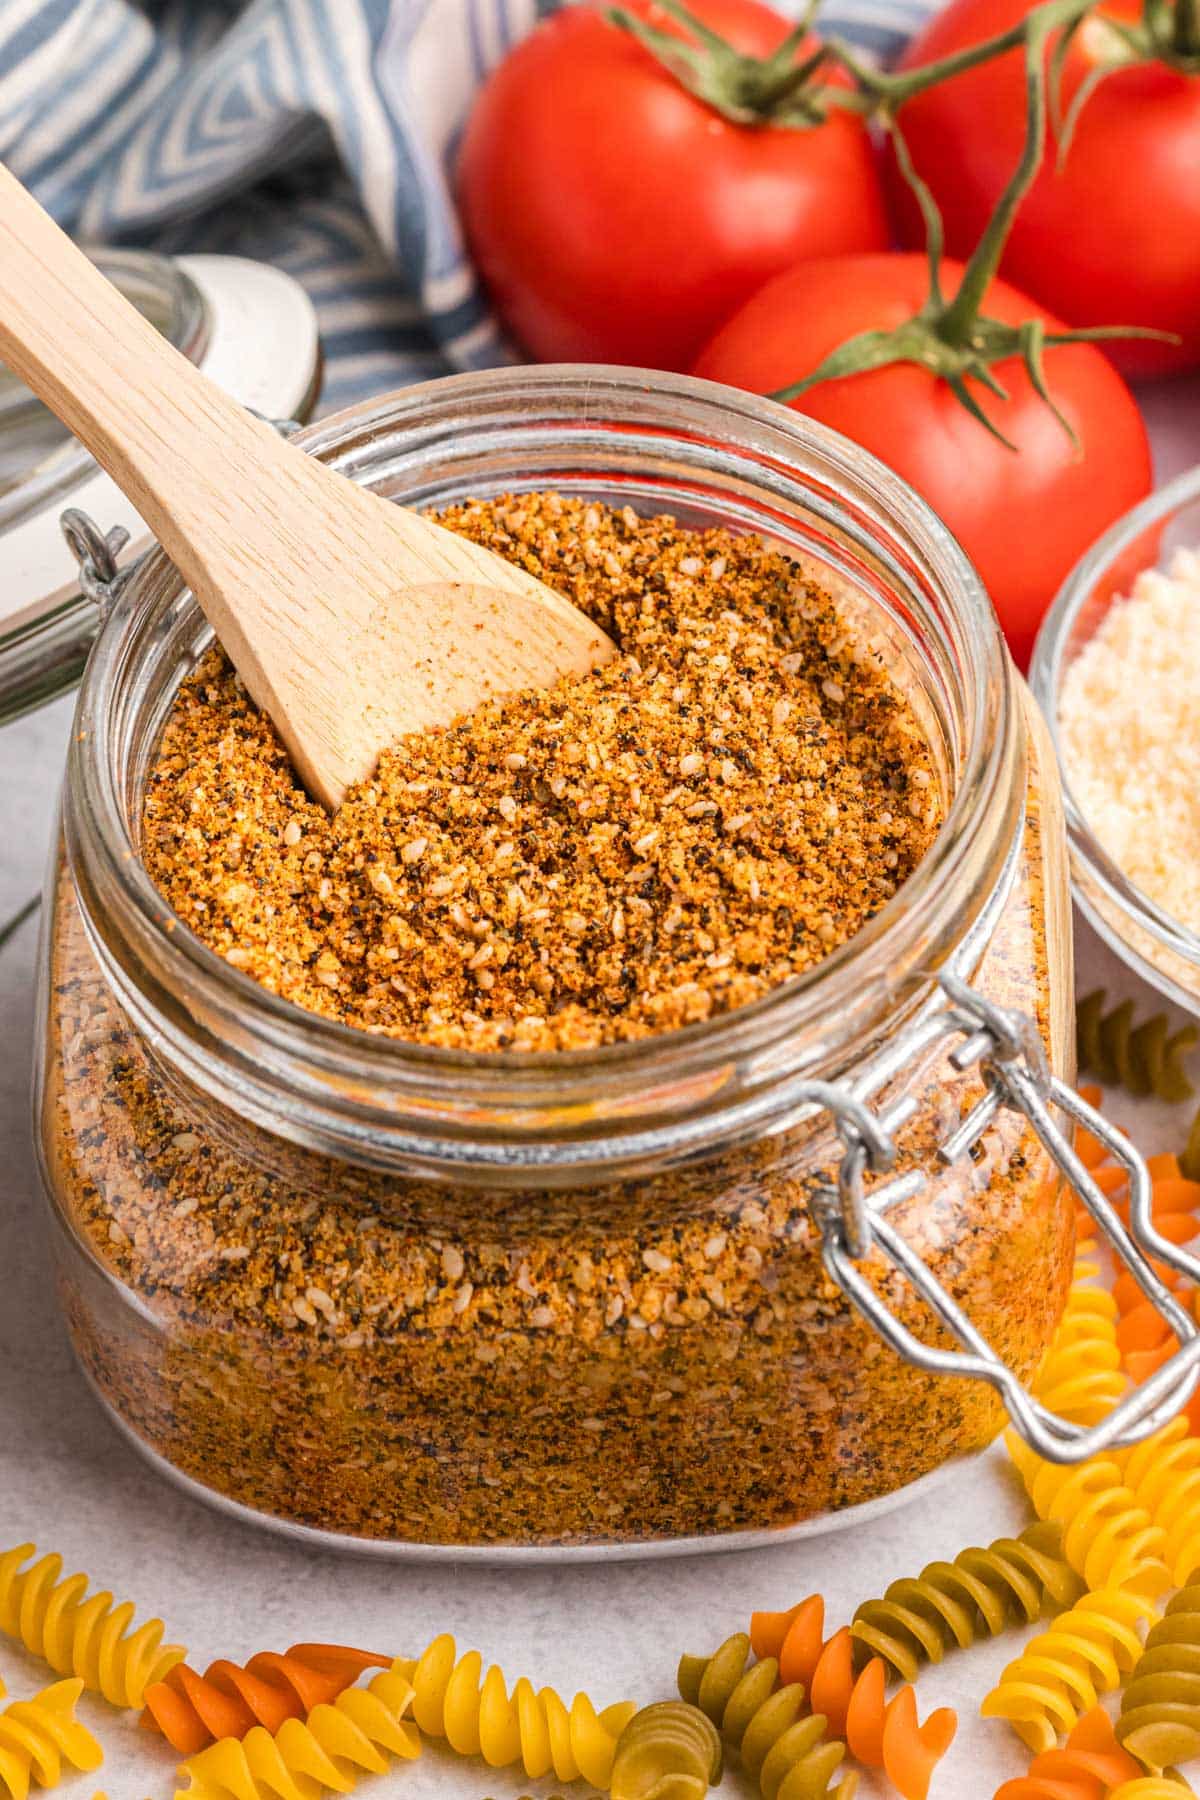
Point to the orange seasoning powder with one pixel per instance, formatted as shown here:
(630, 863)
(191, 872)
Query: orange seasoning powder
(663, 839)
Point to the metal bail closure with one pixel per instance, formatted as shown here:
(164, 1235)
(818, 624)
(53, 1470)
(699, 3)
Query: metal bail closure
(1006, 1048)
(100, 579)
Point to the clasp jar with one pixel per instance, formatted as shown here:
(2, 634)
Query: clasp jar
(689, 1291)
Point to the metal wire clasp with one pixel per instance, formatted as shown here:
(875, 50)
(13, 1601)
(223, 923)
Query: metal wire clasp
(1006, 1048)
(96, 552)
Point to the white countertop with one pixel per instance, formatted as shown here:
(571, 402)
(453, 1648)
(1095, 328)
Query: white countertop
(616, 1630)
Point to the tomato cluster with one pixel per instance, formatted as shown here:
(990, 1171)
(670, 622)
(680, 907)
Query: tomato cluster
(704, 189)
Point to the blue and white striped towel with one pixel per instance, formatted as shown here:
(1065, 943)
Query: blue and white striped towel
(314, 134)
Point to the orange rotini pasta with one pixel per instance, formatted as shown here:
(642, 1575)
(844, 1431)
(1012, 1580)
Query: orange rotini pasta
(229, 1699)
(881, 1734)
(39, 1736)
(1108, 1175)
(1063, 1671)
(356, 1735)
(78, 1633)
(1090, 1763)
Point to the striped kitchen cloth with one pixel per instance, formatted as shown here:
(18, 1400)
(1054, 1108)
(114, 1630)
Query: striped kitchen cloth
(318, 135)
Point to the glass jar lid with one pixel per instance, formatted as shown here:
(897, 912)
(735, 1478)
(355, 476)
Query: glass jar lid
(250, 327)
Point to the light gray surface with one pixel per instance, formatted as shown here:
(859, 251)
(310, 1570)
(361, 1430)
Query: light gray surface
(69, 1482)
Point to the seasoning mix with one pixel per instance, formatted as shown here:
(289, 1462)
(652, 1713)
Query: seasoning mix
(427, 1358)
(665, 838)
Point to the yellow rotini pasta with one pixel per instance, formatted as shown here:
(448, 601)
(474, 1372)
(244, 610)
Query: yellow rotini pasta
(1153, 1787)
(337, 1743)
(1144, 1058)
(78, 1633)
(1163, 1474)
(39, 1736)
(668, 1751)
(787, 1754)
(981, 1593)
(476, 1715)
(1062, 1672)
(1160, 1709)
(1081, 1377)
(1108, 1538)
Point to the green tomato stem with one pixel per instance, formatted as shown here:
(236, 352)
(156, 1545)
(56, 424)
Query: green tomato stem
(959, 317)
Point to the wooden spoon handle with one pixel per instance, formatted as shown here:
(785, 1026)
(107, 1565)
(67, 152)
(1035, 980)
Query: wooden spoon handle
(169, 437)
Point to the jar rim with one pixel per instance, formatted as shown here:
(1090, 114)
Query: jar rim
(163, 972)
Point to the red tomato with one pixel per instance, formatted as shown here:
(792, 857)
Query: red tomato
(1113, 238)
(1023, 516)
(617, 218)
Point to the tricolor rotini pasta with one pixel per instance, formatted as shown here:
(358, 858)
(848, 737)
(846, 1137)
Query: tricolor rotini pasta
(1160, 1708)
(78, 1633)
(1189, 1156)
(1144, 1058)
(1163, 1474)
(1063, 1671)
(783, 1748)
(981, 1593)
(1153, 1787)
(668, 1751)
(1081, 1377)
(1089, 1764)
(1108, 1538)
(39, 1736)
(879, 1733)
(229, 1699)
(474, 1712)
(356, 1735)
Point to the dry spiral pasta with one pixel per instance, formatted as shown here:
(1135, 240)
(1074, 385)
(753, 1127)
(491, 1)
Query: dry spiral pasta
(78, 1633)
(883, 1734)
(1088, 1765)
(229, 1699)
(1144, 1059)
(330, 1749)
(1160, 1708)
(475, 1713)
(39, 1736)
(1189, 1156)
(982, 1592)
(1108, 1538)
(668, 1751)
(1163, 1474)
(1062, 1672)
(1153, 1787)
(1080, 1377)
(787, 1754)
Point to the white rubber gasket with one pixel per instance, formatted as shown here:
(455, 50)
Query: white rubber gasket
(262, 348)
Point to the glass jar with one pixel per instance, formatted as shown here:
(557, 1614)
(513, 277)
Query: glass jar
(1163, 950)
(554, 1304)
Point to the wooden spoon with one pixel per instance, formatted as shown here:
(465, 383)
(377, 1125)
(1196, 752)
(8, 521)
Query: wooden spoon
(349, 619)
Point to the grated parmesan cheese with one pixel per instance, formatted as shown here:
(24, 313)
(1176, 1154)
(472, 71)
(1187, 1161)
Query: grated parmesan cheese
(1129, 720)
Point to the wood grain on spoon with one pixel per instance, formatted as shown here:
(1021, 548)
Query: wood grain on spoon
(350, 620)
